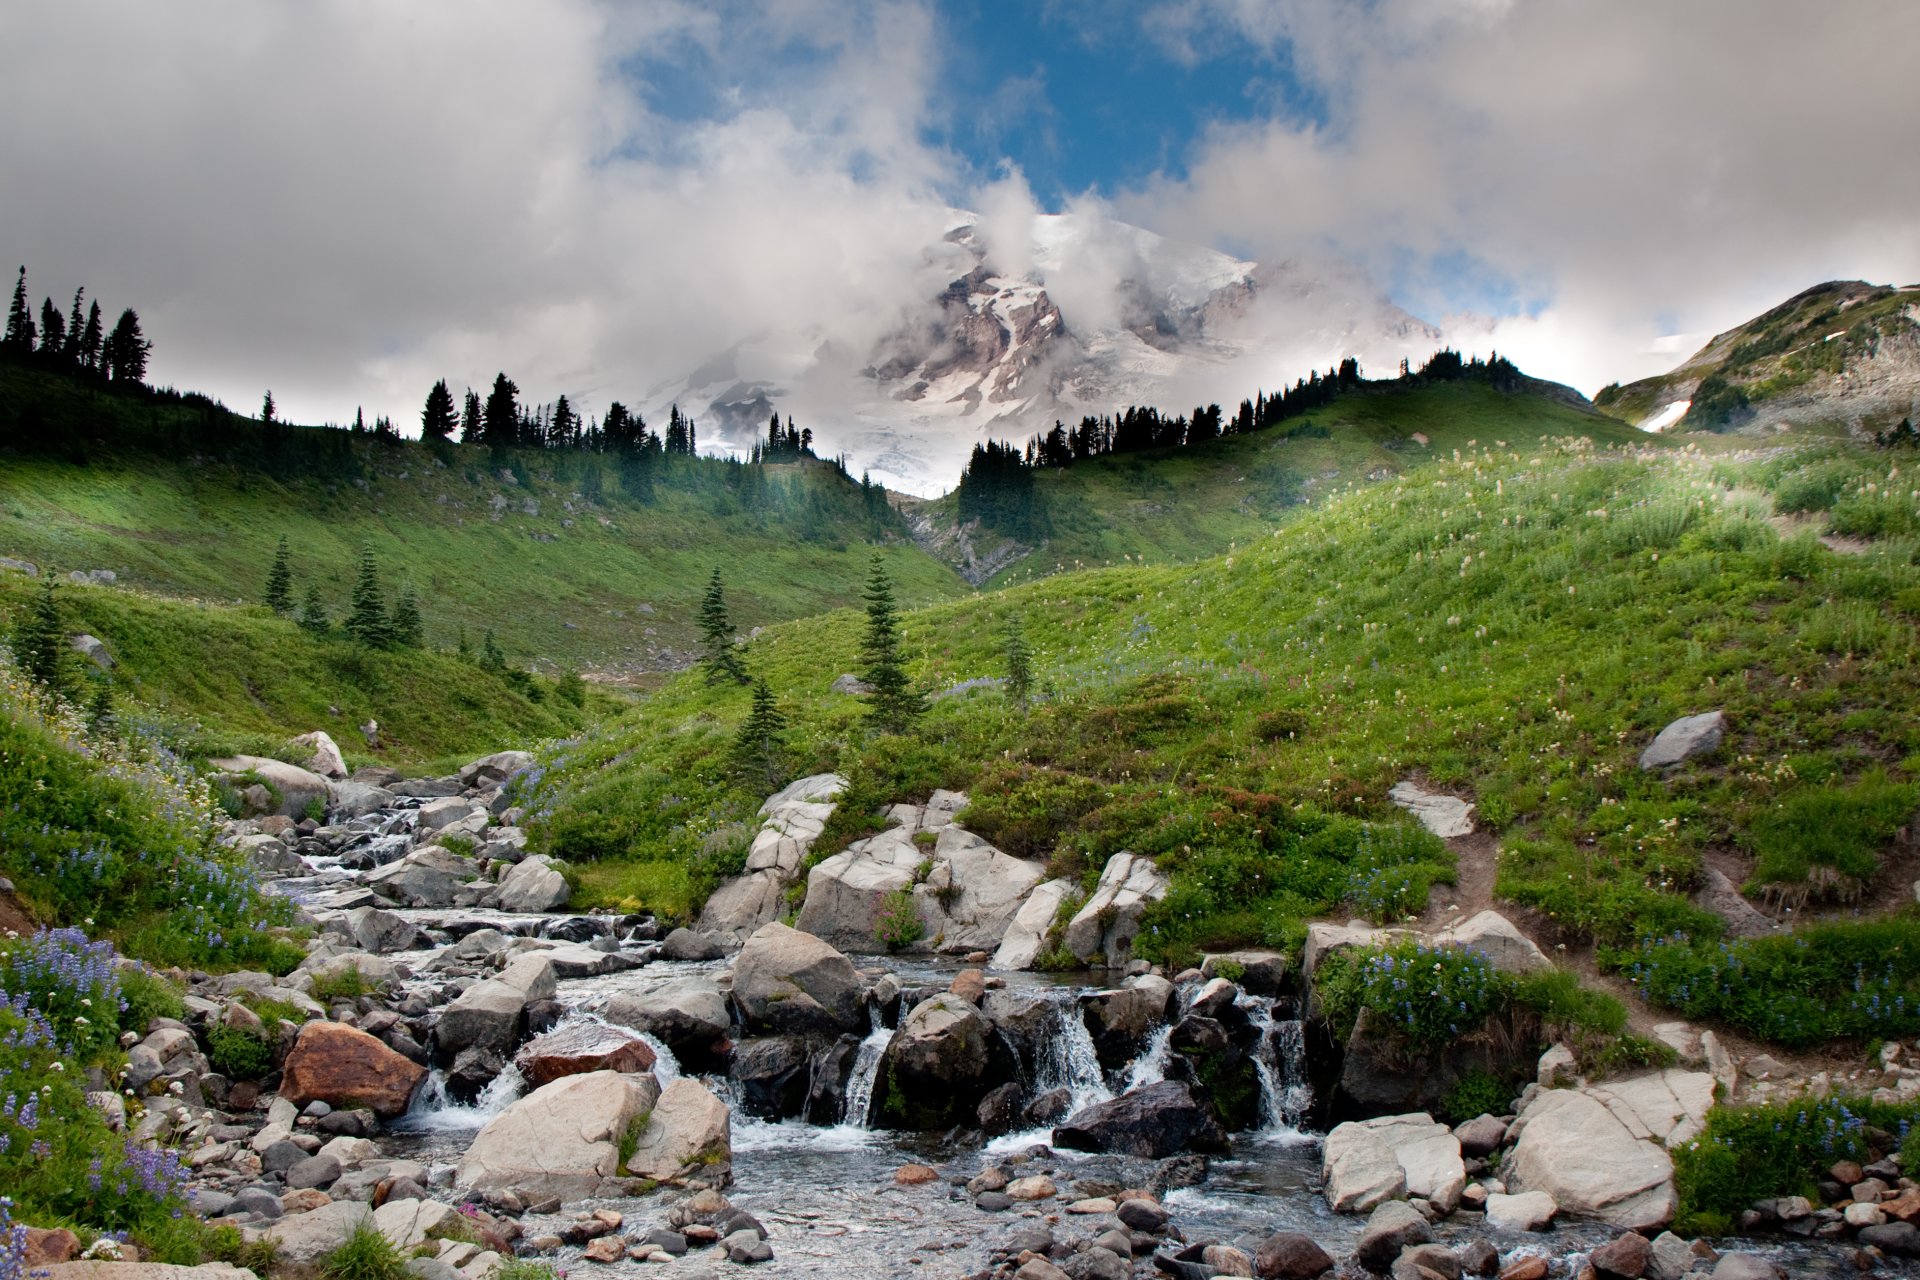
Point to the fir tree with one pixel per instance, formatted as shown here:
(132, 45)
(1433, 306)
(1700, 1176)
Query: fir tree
(895, 704)
(125, 356)
(367, 617)
(470, 418)
(438, 418)
(760, 749)
(718, 656)
(93, 341)
(491, 659)
(279, 597)
(19, 337)
(571, 687)
(408, 630)
(266, 408)
(76, 323)
(100, 709)
(500, 419)
(40, 643)
(313, 614)
(53, 331)
(1019, 665)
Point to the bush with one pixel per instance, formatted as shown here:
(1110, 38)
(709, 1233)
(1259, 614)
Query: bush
(1478, 1093)
(1839, 827)
(367, 1255)
(898, 923)
(238, 1054)
(1430, 995)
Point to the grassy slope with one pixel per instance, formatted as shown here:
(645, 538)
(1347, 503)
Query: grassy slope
(244, 678)
(1170, 505)
(562, 586)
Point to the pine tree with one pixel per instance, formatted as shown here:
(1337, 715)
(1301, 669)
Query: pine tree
(470, 418)
(313, 614)
(93, 341)
(500, 420)
(100, 710)
(53, 331)
(40, 643)
(491, 659)
(76, 323)
(718, 656)
(367, 617)
(279, 597)
(266, 408)
(760, 750)
(125, 357)
(1019, 665)
(895, 704)
(19, 337)
(408, 630)
(571, 687)
(438, 418)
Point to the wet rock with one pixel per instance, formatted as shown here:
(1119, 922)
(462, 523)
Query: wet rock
(314, 1171)
(1901, 1239)
(492, 1014)
(688, 1139)
(579, 1048)
(688, 1015)
(999, 1112)
(562, 1139)
(1289, 1255)
(1049, 1107)
(1393, 1226)
(1622, 1258)
(993, 1201)
(1096, 1263)
(534, 885)
(1527, 1211)
(686, 945)
(788, 981)
(347, 1068)
(429, 876)
(1153, 1122)
(1140, 1214)
(1478, 1258)
(1035, 1187)
(1685, 739)
(1534, 1268)
(773, 1074)
(1426, 1260)
(1104, 928)
(939, 1065)
(1120, 1020)
(605, 1250)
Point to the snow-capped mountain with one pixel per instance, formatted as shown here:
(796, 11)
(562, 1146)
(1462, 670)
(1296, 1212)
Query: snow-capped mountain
(1070, 315)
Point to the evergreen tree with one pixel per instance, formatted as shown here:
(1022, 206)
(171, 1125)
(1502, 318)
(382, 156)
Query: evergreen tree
(367, 617)
(100, 709)
(571, 687)
(53, 331)
(718, 655)
(464, 647)
(313, 614)
(1019, 665)
(93, 341)
(125, 357)
(438, 418)
(760, 750)
(40, 642)
(470, 418)
(19, 337)
(76, 323)
(491, 659)
(279, 596)
(895, 703)
(500, 420)
(408, 630)
(266, 408)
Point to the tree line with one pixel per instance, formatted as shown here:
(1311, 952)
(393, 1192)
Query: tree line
(74, 342)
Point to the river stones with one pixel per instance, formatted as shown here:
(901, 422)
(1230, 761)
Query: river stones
(345, 1067)
(491, 1015)
(1289, 1255)
(788, 981)
(1153, 1122)
(689, 1015)
(1393, 1226)
(563, 1139)
(1527, 1211)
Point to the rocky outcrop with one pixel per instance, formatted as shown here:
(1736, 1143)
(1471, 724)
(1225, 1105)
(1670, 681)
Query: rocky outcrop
(1497, 938)
(560, 1140)
(941, 1062)
(785, 980)
(1026, 934)
(688, 1015)
(1153, 1122)
(534, 885)
(970, 898)
(1575, 1148)
(345, 1067)
(1103, 930)
(271, 786)
(1382, 1073)
(791, 820)
(325, 758)
(581, 1047)
(1369, 1162)
(1445, 816)
(687, 1140)
(847, 893)
(1685, 739)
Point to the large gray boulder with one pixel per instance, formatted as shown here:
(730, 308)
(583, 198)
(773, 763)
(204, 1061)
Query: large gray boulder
(743, 904)
(351, 799)
(785, 980)
(382, 931)
(1572, 1146)
(271, 857)
(493, 770)
(1369, 1162)
(492, 1014)
(1026, 934)
(1103, 930)
(430, 876)
(1683, 740)
(688, 1140)
(1497, 938)
(325, 758)
(941, 1062)
(303, 1238)
(688, 1015)
(534, 885)
(847, 892)
(563, 1139)
(971, 897)
(1153, 1122)
(290, 788)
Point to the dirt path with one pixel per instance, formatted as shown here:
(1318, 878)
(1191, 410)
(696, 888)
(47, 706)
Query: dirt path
(1475, 858)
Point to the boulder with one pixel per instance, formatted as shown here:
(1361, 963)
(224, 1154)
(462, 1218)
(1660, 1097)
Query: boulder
(847, 893)
(1744, 1266)
(1445, 816)
(1120, 1019)
(563, 1139)
(534, 885)
(1258, 973)
(1577, 1150)
(773, 1075)
(303, 1238)
(1685, 739)
(786, 980)
(939, 1065)
(580, 1047)
(1289, 1255)
(1382, 1073)
(455, 815)
(791, 821)
(1668, 1106)
(290, 788)
(1481, 1136)
(850, 684)
(271, 857)
(430, 876)
(688, 1015)
(491, 1015)
(406, 1223)
(973, 893)
(1104, 928)
(345, 1067)
(1625, 1257)
(324, 758)
(382, 931)
(496, 769)
(1027, 931)
(1368, 1162)
(745, 903)
(685, 945)
(355, 800)
(1528, 1211)
(688, 1140)
(1394, 1226)
(1153, 1122)
(1495, 937)
(1324, 939)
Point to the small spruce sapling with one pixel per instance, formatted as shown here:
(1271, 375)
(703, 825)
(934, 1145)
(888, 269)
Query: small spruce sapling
(895, 704)
(1019, 665)
(40, 642)
(279, 597)
(718, 656)
(760, 749)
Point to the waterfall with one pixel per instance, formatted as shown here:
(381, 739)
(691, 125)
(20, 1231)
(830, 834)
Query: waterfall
(1151, 1066)
(1280, 1063)
(866, 1070)
(433, 1108)
(1068, 1059)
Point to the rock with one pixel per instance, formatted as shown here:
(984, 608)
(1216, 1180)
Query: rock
(999, 1111)
(1259, 973)
(382, 931)
(563, 1139)
(1223, 1258)
(689, 1015)
(1288, 1255)
(940, 1064)
(356, 799)
(27, 567)
(1669, 1257)
(1367, 1162)
(496, 770)
(1685, 739)
(747, 1247)
(1574, 1148)
(1557, 1067)
(345, 1067)
(993, 1202)
(1719, 1064)
(580, 1047)
(1481, 1136)
(1324, 939)
(534, 885)
(969, 985)
(1528, 1211)
(607, 1249)
(1428, 1260)
(1037, 1187)
(1624, 1257)
(1495, 937)
(1670, 1106)
(1120, 1019)
(1153, 1122)
(915, 1175)
(315, 1171)
(1534, 1268)
(686, 945)
(1478, 1258)
(1445, 816)
(491, 1015)
(1105, 927)
(744, 904)
(1027, 931)
(304, 1237)
(1901, 1239)
(847, 893)
(1745, 1266)
(325, 759)
(787, 980)
(93, 649)
(430, 876)
(1861, 1214)
(406, 1223)
(974, 891)
(291, 789)
(1138, 1213)
(1393, 1226)
(688, 1140)
(850, 684)
(43, 1246)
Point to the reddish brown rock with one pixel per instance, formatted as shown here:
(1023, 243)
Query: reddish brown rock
(1291, 1256)
(1525, 1269)
(1904, 1207)
(607, 1249)
(970, 985)
(1623, 1258)
(45, 1247)
(582, 1047)
(913, 1175)
(345, 1067)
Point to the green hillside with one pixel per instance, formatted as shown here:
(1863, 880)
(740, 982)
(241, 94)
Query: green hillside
(1166, 505)
(1514, 626)
(542, 547)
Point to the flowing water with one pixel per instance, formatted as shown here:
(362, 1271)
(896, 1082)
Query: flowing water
(866, 1069)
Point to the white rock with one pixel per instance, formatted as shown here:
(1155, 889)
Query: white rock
(1528, 1211)
(1445, 816)
(688, 1139)
(304, 1237)
(970, 899)
(1556, 1067)
(534, 885)
(846, 893)
(1367, 1162)
(405, 1223)
(1576, 1149)
(1720, 1064)
(1325, 939)
(1497, 938)
(326, 760)
(563, 1139)
(1104, 929)
(1668, 1106)
(1684, 739)
(1027, 931)
(1865, 1215)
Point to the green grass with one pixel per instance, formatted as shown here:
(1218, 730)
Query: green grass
(366, 1255)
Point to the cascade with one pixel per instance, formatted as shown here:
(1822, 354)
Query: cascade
(1280, 1064)
(866, 1070)
(434, 1108)
(1151, 1066)
(1068, 1060)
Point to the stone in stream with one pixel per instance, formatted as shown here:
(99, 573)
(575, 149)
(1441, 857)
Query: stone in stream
(1156, 1121)
(688, 1139)
(1527, 1211)
(1120, 1020)
(686, 945)
(429, 876)
(563, 1139)
(352, 799)
(1625, 1257)
(1289, 1255)
(939, 1065)
(1368, 1162)
(382, 931)
(534, 885)
(688, 1015)
(345, 1067)
(303, 1238)
(1392, 1227)
(773, 1075)
(785, 980)
(580, 1047)
(492, 1014)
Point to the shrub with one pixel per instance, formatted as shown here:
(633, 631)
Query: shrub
(238, 1053)
(1478, 1093)
(1430, 995)
(1841, 827)
(897, 923)
(367, 1255)
(69, 981)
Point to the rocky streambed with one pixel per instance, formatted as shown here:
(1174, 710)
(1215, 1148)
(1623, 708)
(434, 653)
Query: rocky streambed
(483, 1075)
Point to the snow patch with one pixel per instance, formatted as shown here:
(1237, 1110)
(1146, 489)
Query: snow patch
(1667, 416)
